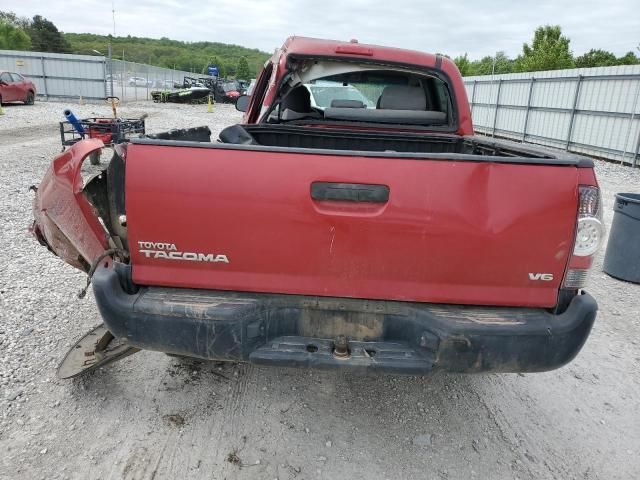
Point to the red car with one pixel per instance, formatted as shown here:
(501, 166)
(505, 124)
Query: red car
(15, 88)
(378, 235)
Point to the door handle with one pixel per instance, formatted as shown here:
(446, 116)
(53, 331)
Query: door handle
(349, 192)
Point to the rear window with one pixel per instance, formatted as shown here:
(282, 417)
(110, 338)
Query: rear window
(368, 87)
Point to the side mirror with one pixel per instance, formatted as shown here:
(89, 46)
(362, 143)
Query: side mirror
(242, 103)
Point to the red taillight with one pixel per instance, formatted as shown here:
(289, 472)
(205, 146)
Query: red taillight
(589, 236)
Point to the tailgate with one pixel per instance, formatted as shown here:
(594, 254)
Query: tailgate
(462, 232)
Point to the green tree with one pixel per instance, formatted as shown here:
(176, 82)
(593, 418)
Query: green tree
(596, 58)
(497, 64)
(12, 19)
(242, 71)
(629, 58)
(169, 53)
(549, 50)
(45, 36)
(13, 38)
(464, 65)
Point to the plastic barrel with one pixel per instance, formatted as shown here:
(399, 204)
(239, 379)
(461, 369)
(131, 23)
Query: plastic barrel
(622, 258)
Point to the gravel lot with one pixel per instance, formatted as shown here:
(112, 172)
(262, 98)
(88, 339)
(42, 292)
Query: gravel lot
(151, 416)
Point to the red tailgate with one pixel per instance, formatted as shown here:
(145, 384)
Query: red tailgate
(450, 232)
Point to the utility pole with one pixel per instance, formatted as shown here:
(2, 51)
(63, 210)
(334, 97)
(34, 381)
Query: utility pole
(113, 14)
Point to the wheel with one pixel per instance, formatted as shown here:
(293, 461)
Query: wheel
(31, 98)
(0, 100)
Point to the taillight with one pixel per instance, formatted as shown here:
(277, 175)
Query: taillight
(589, 237)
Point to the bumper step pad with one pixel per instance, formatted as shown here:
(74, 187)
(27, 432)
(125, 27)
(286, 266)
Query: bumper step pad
(311, 352)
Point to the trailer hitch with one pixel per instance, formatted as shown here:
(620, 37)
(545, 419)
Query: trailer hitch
(95, 349)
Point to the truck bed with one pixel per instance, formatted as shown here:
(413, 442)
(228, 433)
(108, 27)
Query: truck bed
(367, 140)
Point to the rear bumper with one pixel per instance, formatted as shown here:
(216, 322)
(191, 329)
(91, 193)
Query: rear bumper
(298, 331)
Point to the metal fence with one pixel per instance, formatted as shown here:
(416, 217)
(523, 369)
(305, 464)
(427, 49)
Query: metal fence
(58, 75)
(61, 75)
(593, 111)
(135, 81)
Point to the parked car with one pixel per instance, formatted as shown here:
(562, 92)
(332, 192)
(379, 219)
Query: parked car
(386, 239)
(117, 78)
(15, 88)
(226, 91)
(139, 82)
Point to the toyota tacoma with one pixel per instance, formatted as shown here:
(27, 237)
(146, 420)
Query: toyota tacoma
(371, 230)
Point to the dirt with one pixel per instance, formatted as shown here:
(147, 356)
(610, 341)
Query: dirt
(152, 416)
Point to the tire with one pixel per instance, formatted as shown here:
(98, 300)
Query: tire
(0, 100)
(31, 98)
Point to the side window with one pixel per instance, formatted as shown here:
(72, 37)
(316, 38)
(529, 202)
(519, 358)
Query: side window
(5, 77)
(17, 77)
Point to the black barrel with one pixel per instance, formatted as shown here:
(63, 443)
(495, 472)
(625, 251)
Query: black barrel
(622, 259)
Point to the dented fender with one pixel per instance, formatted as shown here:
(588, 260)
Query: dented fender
(64, 219)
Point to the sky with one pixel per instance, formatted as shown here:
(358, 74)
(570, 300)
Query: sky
(449, 27)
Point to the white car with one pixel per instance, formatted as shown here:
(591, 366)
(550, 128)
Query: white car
(139, 82)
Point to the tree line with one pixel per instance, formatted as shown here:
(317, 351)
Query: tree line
(549, 50)
(41, 35)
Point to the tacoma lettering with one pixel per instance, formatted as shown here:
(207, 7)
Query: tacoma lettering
(169, 251)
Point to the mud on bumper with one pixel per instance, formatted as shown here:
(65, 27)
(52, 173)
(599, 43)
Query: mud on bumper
(299, 331)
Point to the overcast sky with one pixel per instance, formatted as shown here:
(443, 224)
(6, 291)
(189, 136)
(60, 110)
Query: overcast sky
(452, 27)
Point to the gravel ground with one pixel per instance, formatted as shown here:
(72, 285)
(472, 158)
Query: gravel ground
(151, 416)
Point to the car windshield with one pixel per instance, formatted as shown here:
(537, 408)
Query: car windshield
(325, 92)
(229, 87)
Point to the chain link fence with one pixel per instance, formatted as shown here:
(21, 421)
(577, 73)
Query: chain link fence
(135, 81)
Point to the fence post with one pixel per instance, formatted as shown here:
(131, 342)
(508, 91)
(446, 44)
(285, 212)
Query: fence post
(44, 77)
(495, 113)
(473, 97)
(147, 97)
(635, 156)
(573, 112)
(526, 115)
(104, 75)
(633, 116)
(111, 93)
(122, 79)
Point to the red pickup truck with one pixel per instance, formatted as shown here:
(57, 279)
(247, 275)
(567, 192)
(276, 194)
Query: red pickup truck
(352, 220)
